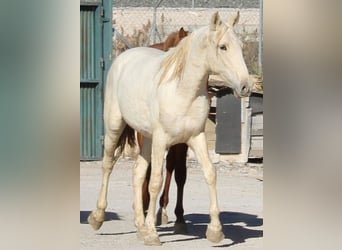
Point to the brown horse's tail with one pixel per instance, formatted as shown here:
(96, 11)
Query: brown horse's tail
(128, 136)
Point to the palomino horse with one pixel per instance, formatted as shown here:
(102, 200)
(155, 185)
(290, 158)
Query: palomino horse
(163, 95)
(176, 160)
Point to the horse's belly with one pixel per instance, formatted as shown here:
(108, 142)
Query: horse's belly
(137, 116)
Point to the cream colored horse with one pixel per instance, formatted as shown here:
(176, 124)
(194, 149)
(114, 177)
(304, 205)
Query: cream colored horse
(164, 97)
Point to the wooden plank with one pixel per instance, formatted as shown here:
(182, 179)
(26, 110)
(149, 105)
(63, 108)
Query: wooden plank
(257, 148)
(228, 127)
(257, 124)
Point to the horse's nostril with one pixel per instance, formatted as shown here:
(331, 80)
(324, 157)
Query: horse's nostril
(245, 90)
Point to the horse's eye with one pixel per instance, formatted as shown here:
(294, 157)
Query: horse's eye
(223, 47)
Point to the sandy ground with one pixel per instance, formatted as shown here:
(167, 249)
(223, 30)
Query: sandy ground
(240, 201)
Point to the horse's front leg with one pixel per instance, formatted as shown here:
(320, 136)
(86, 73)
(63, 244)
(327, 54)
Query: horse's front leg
(156, 180)
(139, 174)
(199, 145)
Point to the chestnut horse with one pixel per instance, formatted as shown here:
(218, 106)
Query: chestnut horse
(175, 160)
(171, 41)
(163, 95)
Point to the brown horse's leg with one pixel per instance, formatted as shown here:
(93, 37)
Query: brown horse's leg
(162, 217)
(176, 160)
(145, 193)
(140, 139)
(180, 177)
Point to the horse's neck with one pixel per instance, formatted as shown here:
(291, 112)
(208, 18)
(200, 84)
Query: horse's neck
(171, 41)
(196, 72)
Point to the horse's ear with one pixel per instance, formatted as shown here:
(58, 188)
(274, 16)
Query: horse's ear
(215, 21)
(182, 33)
(234, 20)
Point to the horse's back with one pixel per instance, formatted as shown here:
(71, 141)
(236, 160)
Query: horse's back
(141, 61)
(133, 68)
(139, 55)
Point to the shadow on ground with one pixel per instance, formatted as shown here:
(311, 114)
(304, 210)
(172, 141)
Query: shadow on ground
(197, 226)
(109, 216)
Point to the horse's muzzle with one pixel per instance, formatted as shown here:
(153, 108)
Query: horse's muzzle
(245, 90)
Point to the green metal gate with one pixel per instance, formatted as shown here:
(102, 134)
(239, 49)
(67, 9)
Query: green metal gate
(96, 57)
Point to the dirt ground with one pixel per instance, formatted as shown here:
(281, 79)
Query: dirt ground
(240, 200)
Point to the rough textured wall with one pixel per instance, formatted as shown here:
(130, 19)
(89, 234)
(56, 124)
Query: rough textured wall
(188, 3)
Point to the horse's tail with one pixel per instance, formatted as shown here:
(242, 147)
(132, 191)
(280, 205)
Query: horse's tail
(128, 136)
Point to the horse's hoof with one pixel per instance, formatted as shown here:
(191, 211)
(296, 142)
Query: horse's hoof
(180, 228)
(141, 233)
(162, 218)
(152, 240)
(96, 223)
(215, 236)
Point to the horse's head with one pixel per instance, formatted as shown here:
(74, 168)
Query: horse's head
(174, 38)
(182, 33)
(225, 55)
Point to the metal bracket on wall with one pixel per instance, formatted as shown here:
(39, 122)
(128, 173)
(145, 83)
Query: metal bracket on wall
(102, 63)
(102, 14)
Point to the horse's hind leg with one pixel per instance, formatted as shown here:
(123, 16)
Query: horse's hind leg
(112, 135)
(199, 146)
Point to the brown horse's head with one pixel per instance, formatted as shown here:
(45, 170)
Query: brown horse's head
(174, 38)
(182, 33)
